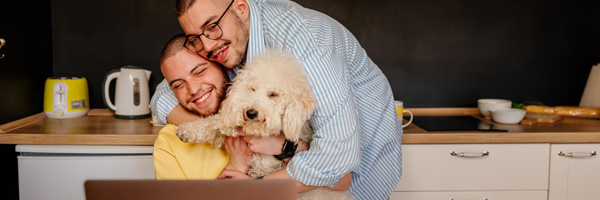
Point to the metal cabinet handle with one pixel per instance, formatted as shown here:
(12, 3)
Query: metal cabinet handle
(577, 154)
(470, 154)
(2, 43)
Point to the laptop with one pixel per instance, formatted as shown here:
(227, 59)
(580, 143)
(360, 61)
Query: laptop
(190, 189)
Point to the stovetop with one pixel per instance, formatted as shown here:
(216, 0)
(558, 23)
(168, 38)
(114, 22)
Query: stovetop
(454, 124)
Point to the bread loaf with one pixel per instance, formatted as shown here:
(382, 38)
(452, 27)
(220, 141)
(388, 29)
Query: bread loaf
(565, 111)
(539, 109)
(577, 111)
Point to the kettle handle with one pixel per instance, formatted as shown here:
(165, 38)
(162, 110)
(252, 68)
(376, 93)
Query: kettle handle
(106, 89)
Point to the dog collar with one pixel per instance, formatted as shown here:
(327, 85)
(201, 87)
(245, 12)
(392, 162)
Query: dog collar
(288, 150)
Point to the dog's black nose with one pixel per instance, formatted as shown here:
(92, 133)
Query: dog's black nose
(251, 114)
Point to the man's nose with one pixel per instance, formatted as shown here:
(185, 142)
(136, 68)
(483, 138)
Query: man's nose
(208, 44)
(194, 88)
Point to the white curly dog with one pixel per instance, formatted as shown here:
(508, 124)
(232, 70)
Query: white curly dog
(269, 96)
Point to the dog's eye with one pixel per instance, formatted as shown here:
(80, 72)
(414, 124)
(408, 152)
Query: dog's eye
(273, 94)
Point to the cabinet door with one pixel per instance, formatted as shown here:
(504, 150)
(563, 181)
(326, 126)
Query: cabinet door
(575, 173)
(54, 177)
(60, 171)
(480, 195)
(504, 167)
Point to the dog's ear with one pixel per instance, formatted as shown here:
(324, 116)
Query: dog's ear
(297, 112)
(231, 108)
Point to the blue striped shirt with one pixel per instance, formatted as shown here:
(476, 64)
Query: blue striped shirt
(356, 127)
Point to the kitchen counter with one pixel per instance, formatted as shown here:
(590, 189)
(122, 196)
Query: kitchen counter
(100, 127)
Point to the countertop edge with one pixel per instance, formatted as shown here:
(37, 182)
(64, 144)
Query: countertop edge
(412, 138)
(79, 139)
(496, 138)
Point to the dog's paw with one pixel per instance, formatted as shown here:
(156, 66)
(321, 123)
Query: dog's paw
(186, 132)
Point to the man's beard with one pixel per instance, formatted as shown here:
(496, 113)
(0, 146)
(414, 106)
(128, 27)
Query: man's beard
(243, 37)
(213, 109)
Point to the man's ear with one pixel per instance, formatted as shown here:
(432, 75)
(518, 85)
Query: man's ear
(242, 9)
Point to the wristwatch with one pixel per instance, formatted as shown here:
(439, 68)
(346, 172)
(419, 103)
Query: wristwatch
(288, 150)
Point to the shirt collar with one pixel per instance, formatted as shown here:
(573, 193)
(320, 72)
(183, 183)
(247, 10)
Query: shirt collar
(233, 72)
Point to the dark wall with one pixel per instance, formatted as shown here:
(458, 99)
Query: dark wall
(27, 58)
(27, 62)
(449, 53)
(93, 37)
(436, 53)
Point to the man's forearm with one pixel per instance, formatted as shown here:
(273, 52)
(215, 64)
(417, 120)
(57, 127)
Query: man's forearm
(180, 115)
(343, 185)
(282, 174)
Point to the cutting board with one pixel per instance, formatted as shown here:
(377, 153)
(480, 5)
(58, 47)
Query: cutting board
(535, 118)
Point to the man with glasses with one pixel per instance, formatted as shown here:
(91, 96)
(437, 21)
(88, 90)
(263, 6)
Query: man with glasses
(356, 127)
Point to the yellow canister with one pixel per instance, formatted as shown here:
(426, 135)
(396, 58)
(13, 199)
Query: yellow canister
(66, 97)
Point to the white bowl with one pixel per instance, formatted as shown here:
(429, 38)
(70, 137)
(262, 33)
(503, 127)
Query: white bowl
(508, 116)
(485, 105)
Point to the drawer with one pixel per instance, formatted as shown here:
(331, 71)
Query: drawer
(479, 195)
(504, 167)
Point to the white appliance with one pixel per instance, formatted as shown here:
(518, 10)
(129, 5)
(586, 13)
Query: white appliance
(132, 95)
(59, 171)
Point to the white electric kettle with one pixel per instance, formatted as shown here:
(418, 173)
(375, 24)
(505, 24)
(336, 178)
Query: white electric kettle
(132, 96)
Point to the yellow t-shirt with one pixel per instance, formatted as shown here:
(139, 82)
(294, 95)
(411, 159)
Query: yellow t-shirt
(176, 160)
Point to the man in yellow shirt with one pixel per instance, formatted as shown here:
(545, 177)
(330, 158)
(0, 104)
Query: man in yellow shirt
(199, 86)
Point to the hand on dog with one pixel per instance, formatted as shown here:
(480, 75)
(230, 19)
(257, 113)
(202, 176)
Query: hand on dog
(232, 174)
(239, 154)
(269, 145)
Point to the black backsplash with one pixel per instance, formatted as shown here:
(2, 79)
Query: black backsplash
(435, 53)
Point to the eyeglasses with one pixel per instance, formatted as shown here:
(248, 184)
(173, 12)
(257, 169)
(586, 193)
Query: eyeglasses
(212, 31)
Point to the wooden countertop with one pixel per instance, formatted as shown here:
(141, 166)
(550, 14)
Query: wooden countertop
(100, 127)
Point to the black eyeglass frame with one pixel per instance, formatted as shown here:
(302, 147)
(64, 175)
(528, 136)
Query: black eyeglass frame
(213, 25)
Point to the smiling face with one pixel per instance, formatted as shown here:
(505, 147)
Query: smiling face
(199, 85)
(230, 48)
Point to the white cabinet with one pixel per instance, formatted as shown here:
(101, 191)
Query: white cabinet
(481, 195)
(59, 171)
(474, 171)
(575, 174)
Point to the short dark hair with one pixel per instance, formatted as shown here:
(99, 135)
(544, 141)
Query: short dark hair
(173, 46)
(181, 6)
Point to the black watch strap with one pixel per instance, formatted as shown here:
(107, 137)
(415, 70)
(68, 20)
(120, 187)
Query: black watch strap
(288, 150)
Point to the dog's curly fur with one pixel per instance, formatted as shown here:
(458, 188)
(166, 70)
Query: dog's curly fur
(269, 96)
